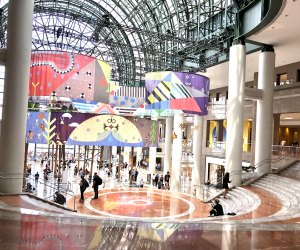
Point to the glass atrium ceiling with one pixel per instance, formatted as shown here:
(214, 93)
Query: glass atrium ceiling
(135, 36)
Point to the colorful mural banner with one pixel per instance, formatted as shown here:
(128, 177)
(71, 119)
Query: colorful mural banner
(37, 127)
(91, 129)
(84, 106)
(70, 75)
(177, 90)
(126, 101)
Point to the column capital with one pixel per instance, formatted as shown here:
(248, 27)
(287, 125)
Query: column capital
(238, 41)
(267, 48)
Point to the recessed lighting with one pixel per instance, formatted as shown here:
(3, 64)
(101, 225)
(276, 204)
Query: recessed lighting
(288, 118)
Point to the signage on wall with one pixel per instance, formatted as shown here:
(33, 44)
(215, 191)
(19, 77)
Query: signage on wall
(219, 108)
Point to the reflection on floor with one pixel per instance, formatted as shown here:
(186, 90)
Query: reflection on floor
(267, 217)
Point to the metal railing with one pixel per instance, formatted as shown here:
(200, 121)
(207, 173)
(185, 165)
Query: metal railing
(207, 190)
(54, 186)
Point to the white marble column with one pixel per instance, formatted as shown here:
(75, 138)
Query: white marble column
(197, 153)
(235, 113)
(139, 155)
(126, 154)
(114, 150)
(13, 126)
(264, 113)
(152, 160)
(177, 154)
(168, 146)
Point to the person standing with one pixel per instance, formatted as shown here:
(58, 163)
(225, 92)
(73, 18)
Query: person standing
(282, 144)
(97, 181)
(136, 175)
(167, 180)
(156, 179)
(36, 178)
(225, 183)
(83, 185)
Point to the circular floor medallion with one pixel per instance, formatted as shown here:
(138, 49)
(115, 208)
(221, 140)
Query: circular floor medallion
(145, 204)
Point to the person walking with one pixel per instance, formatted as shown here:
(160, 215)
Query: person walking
(83, 186)
(225, 183)
(97, 181)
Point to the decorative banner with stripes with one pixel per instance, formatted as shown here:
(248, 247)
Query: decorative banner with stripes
(177, 90)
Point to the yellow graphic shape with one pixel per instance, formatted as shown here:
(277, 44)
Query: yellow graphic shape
(158, 232)
(99, 127)
(162, 92)
(157, 75)
(113, 87)
(96, 239)
(34, 85)
(106, 70)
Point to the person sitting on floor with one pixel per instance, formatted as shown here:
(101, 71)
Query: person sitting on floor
(59, 198)
(217, 209)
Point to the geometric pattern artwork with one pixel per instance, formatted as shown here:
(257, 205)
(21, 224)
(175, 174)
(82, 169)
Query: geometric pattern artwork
(177, 90)
(38, 127)
(84, 106)
(126, 101)
(65, 74)
(91, 129)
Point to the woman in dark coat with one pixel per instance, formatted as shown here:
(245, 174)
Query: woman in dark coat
(225, 183)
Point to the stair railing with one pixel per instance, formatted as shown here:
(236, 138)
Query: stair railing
(55, 188)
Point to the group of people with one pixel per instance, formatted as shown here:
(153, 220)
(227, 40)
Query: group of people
(133, 174)
(97, 181)
(160, 181)
(293, 146)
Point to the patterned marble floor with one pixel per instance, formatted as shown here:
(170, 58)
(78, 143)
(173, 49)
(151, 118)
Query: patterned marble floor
(147, 218)
(142, 203)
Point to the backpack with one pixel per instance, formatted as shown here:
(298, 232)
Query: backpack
(99, 181)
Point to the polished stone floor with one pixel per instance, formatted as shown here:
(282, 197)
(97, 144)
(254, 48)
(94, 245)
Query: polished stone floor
(126, 217)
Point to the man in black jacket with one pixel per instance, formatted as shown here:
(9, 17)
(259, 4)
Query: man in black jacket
(96, 182)
(217, 209)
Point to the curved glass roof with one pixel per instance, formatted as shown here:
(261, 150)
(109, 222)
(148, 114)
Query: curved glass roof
(134, 36)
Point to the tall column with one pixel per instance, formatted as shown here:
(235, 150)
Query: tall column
(276, 129)
(168, 146)
(126, 154)
(177, 154)
(219, 130)
(13, 127)
(197, 152)
(139, 155)
(264, 113)
(152, 160)
(114, 151)
(235, 113)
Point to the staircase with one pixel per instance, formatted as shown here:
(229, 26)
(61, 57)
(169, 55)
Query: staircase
(292, 171)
